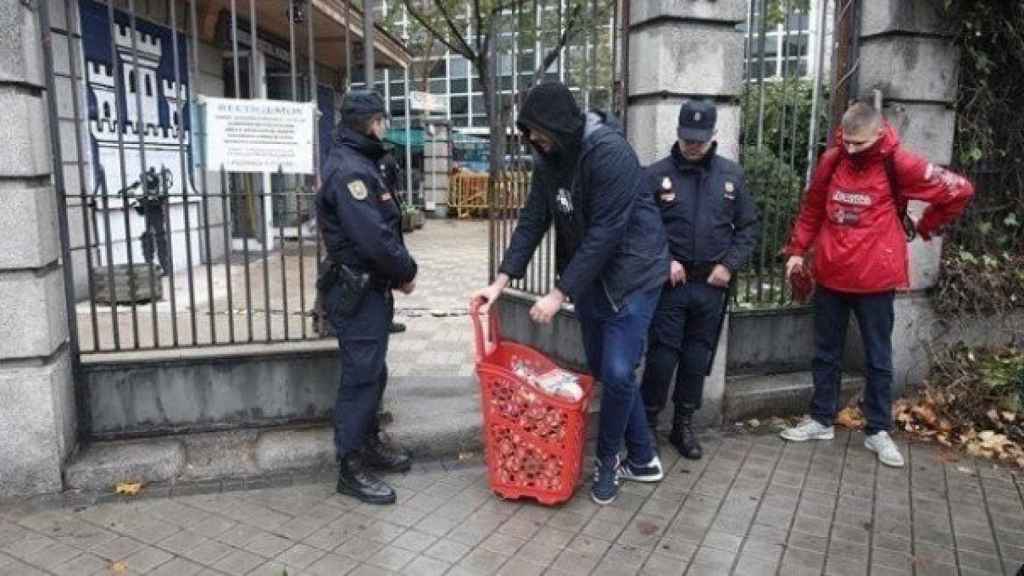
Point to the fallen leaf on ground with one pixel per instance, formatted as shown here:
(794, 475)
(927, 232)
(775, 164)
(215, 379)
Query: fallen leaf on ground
(128, 488)
(850, 417)
(119, 568)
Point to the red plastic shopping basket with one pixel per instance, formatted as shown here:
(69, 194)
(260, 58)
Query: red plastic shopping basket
(533, 441)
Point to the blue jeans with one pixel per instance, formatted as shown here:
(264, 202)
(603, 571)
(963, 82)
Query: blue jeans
(614, 342)
(875, 318)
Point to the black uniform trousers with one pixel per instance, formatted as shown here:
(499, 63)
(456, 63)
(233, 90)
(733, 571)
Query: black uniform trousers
(683, 337)
(363, 346)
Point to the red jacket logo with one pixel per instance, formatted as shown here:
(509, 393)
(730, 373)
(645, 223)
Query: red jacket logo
(852, 198)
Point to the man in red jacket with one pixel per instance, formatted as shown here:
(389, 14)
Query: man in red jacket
(851, 218)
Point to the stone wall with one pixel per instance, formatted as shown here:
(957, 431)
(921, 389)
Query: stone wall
(37, 404)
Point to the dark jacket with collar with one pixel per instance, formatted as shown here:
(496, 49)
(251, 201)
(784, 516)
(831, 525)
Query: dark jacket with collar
(608, 231)
(359, 215)
(710, 217)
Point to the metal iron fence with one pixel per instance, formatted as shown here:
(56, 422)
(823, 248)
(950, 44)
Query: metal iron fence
(786, 115)
(163, 251)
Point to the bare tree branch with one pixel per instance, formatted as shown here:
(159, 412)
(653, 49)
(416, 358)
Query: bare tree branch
(569, 31)
(459, 45)
(479, 27)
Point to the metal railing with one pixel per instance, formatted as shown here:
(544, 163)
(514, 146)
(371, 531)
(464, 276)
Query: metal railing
(164, 251)
(785, 118)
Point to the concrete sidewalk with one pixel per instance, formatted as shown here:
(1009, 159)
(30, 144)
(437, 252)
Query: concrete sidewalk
(754, 505)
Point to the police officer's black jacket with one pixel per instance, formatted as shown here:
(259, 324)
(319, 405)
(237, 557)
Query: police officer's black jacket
(608, 230)
(358, 214)
(710, 217)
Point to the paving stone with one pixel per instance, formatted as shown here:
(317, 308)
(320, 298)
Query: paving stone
(147, 559)
(177, 567)
(426, 566)
(752, 565)
(81, 564)
(482, 561)
(238, 563)
(575, 563)
(448, 550)
(331, 565)
(712, 558)
(391, 558)
(300, 556)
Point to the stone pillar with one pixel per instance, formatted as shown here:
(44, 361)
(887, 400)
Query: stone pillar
(682, 49)
(37, 407)
(906, 52)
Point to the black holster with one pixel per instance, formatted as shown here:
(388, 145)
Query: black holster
(353, 285)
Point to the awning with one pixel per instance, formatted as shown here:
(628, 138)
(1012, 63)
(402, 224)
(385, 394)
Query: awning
(397, 136)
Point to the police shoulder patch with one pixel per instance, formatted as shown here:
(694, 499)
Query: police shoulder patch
(358, 189)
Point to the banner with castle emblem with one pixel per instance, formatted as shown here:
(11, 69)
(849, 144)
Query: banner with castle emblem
(146, 76)
(139, 137)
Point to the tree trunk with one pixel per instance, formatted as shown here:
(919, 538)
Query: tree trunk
(488, 70)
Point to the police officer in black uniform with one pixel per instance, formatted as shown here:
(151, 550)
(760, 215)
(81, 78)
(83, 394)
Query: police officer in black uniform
(361, 225)
(712, 226)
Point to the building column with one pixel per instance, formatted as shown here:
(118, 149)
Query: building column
(37, 407)
(679, 50)
(906, 52)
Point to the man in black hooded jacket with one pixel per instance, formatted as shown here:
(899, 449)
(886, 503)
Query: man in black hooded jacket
(611, 258)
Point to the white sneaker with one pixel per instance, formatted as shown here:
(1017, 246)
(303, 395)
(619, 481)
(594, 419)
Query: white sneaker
(886, 449)
(809, 429)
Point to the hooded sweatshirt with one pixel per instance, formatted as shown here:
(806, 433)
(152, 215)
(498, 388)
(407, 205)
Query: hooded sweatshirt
(609, 234)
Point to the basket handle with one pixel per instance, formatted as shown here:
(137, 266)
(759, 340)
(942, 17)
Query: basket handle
(485, 345)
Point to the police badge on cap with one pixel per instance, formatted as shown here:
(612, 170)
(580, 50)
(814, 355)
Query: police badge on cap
(697, 121)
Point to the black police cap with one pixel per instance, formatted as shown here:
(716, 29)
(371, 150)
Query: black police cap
(362, 103)
(697, 121)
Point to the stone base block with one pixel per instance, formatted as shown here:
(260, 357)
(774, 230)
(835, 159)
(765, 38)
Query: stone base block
(37, 427)
(27, 217)
(925, 129)
(33, 319)
(103, 465)
(731, 12)
(685, 58)
(653, 122)
(918, 69)
(131, 284)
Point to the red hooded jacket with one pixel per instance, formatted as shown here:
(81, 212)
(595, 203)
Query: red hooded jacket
(849, 214)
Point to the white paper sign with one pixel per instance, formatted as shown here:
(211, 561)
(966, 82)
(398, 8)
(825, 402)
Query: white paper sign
(259, 135)
(427, 102)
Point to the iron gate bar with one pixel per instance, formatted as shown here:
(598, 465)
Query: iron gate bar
(59, 185)
(184, 182)
(122, 118)
(140, 129)
(228, 253)
(76, 107)
(205, 195)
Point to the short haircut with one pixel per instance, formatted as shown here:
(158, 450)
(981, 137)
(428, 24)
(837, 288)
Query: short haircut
(861, 116)
(359, 122)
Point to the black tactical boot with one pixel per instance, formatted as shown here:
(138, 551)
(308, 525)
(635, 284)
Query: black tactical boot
(355, 481)
(683, 436)
(380, 456)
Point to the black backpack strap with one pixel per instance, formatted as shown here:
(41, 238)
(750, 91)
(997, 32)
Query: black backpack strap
(901, 204)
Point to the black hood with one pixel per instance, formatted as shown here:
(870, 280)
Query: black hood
(365, 145)
(551, 108)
